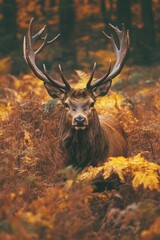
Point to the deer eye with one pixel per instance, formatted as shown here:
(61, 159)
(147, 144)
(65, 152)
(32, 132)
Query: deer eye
(66, 105)
(92, 104)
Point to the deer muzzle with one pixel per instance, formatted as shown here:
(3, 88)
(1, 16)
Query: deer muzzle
(80, 122)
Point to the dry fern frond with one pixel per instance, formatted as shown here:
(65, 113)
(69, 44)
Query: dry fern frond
(153, 232)
(142, 172)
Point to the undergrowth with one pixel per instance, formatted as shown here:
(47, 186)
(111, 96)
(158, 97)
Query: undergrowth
(41, 198)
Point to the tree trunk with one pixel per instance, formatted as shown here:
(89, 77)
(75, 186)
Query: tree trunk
(42, 5)
(106, 12)
(8, 30)
(148, 21)
(52, 3)
(67, 30)
(124, 13)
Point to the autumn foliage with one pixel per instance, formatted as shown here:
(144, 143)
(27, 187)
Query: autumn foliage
(41, 198)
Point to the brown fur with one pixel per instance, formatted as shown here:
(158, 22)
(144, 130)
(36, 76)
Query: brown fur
(102, 138)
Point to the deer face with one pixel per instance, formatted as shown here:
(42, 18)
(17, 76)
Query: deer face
(78, 106)
(78, 103)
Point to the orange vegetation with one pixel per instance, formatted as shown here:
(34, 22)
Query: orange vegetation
(40, 198)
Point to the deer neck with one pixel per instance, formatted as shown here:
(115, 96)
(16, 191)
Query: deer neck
(83, 147)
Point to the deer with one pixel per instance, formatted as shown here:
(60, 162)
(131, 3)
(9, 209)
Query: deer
(86, 138)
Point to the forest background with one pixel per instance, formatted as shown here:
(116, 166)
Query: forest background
(39, 197)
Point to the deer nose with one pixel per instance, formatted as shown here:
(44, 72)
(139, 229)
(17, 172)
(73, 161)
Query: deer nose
(80, 120)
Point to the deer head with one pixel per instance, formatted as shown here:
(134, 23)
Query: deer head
(78, 104)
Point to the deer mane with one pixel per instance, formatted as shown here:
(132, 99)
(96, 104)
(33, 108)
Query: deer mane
(83, 148)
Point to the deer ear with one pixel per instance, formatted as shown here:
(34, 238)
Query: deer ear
(103, 89)
(54, 92)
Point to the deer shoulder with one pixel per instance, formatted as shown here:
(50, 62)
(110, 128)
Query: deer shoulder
(115, 135)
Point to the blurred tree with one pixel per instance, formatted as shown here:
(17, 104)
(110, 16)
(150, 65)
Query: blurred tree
(148, 21)
(106, 11)
(52, 2)
(42, 5)
(8, 41)
(66, 26)
(124, 13)
(67, 16)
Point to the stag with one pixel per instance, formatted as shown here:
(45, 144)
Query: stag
(86, 138)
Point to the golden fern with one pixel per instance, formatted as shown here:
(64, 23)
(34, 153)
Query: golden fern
(143, 172)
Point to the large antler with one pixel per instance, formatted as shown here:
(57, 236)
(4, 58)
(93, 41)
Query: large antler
(30, 57)
(121, 55)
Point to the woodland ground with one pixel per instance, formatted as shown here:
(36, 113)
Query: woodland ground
(42, 199)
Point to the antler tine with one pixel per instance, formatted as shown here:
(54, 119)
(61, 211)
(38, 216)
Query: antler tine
(24, 49)
(116, 29)
(91, 77)
(63, 78)
(52, 81)
(54, 39)
(111, 38)
(121, 55)
(100, 80)
(39, 33)
(43, 44)
(30, 56)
